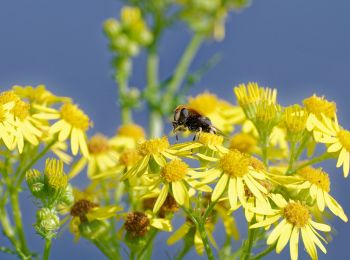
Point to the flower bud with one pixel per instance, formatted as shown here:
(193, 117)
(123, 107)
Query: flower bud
(35, 182)
(47, 222)
(112, 28)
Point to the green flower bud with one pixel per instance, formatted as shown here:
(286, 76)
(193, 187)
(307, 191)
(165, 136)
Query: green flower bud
(47, 222)
(112, 28)
(133, 48)
(67, 196)
(35, 182)
(93, 229)
(120, 43)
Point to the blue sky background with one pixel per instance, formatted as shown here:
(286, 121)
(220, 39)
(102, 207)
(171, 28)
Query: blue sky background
(300, 47)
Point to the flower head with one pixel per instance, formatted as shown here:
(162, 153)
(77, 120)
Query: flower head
(296, 219)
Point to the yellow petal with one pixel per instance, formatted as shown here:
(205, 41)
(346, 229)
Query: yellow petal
(179, 234)
(162, 224)
(275, 234)
(293, 244)
(284, 238)
(309, 244)
(161, 198)
(268, 221)
(220, 187)
(320, 200)
(180, 193)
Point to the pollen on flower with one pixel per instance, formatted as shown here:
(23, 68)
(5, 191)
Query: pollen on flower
(154, 146)
(210, 139)
(129, 157)
(131, 130)
(21, 109)
(75, 116)
(98, 144)
(82, 207)
(8, 96)
(320, 105)
(235, 163)
(295, 118)
(297, 214)
(137, 224)
(317, 177)
(344, 138)
(243, 142)
(205, 103)
(175, 170)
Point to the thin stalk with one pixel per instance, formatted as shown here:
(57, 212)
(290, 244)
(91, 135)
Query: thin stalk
(101, 246)
(265, 252)
(263, 144)
(47, 249)
(250, 240)
(147, 247)
(292, 157)
(202, 232)
(182, 68)
(17, 215)
(315, 160)
(121, 78)
(205, 240)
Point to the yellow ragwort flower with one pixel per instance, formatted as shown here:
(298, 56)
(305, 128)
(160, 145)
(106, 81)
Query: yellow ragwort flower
(336, 138)
(317, 182)
(174, 177)
(296, 219)
(72, 123)
(237, 174)
(24, 123)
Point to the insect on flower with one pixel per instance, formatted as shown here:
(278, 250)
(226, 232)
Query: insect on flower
(187, 118)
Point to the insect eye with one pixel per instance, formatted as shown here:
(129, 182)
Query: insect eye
(183, 114)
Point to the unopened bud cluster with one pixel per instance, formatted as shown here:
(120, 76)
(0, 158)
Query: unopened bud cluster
(129, 34)
(51, 188)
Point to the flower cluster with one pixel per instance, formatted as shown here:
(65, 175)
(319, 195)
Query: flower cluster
(261, 169)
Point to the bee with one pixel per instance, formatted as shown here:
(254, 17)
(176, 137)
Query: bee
(186, 118)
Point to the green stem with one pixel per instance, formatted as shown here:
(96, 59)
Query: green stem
(47, 249)
(264, 144)
(205, 240)
(18, 220)
(315, 160)
(292, 157)
(250, 240)
(148, 243)
(102, 247)
(36, 158)
(185, 249)
(202, 232)
(121, 78)
(182, 68)
(265, 252)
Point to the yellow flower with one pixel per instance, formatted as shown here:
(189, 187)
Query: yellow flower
(38, 95)
(237, 173)
(294, 121)
(336, 138)
(296, 219)
(7, 129)
(244, 142)
(128, 136)
(222, 114)
(102, 156)
(317, 182)
(174, 177)
(153, 151)
(73, 123)
(24, 128)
